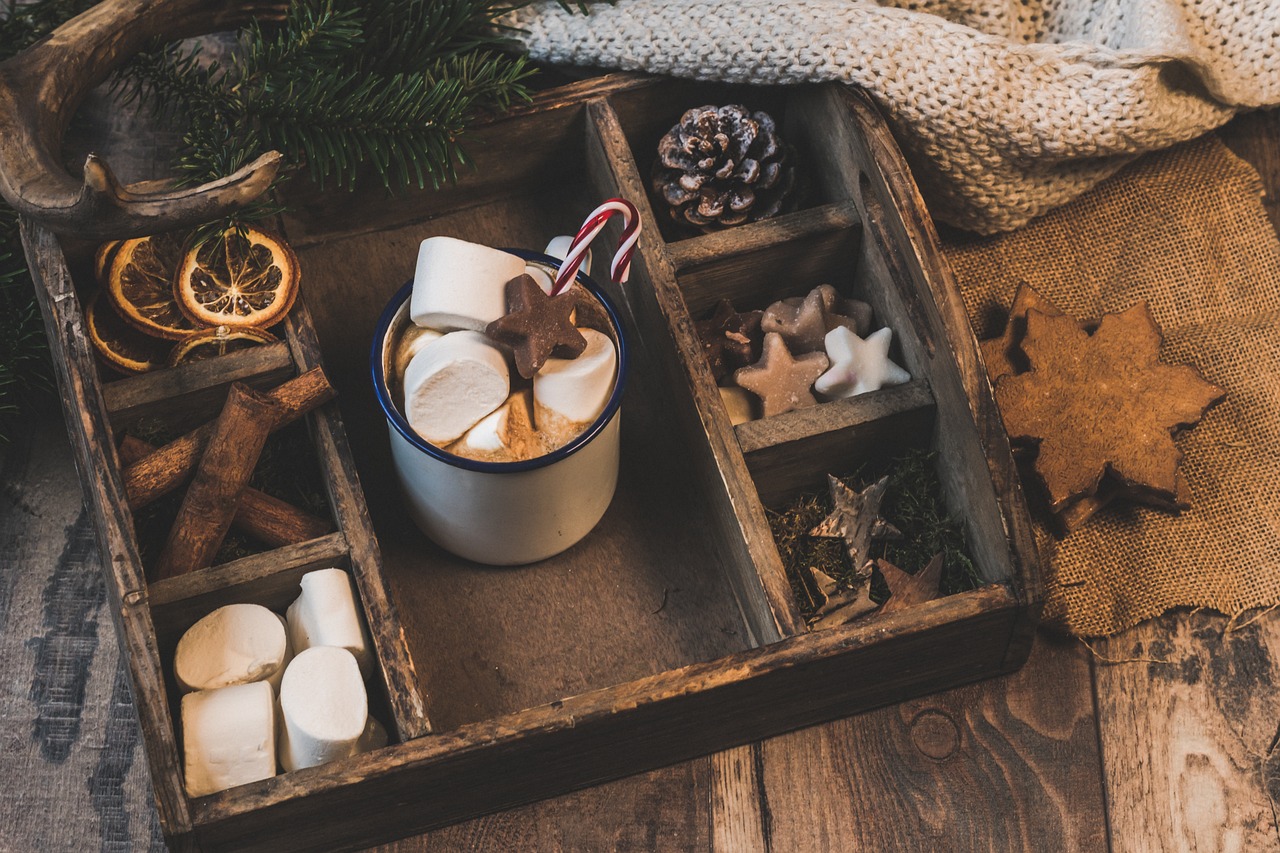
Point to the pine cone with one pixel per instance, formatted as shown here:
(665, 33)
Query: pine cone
(723, 166)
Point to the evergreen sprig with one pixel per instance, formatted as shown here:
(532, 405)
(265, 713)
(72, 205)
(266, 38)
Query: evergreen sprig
(340, 86)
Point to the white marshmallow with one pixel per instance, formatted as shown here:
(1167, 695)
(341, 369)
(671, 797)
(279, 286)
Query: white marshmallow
(411, 343)
(498, 432)
(452, 384)
(577, 389)
(559, 247)
(327, 614)
(236, 644)
(739, 404)
(324, 708)
(228, 737)
(460, 285)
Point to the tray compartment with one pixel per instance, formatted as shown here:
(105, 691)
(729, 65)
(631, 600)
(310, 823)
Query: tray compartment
(645, 592)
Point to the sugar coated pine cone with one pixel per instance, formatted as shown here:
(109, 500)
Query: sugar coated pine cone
(723, 166)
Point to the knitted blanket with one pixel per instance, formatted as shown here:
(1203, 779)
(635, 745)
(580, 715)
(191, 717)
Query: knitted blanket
(1005, 108)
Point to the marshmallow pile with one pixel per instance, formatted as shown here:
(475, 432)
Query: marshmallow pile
(796, 353)
(457, 363)
(263, 690)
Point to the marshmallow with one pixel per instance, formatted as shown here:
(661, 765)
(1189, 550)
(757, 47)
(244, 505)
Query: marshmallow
(577, 389)
(411, 342)
(739, 404)
(459, 285)
(236, 644)
(559, 247)
(507, 433)
(228, 737)
(324, 708)
(452, 384)
(327, 614)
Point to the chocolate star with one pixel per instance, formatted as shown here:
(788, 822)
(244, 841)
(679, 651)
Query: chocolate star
(536, 326)
(780, 381)
(803, 322)
(856, 519)
(730, 339)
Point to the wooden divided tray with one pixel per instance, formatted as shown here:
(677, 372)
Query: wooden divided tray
(671, 630)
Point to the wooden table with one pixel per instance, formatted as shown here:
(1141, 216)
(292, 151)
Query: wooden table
(1163, 738)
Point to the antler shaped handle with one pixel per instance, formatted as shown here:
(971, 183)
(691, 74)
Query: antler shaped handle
(41, 88)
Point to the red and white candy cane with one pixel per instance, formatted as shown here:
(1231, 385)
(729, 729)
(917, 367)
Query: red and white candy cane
(621, 266)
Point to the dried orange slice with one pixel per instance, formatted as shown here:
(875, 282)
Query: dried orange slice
(241, 279)
(140, 286)
(119, 344)
(102, 259)
(212, 343)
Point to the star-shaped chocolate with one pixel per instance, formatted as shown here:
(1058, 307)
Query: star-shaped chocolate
(781, 381)
(730, 339)
(856, 519)
(537, 326)
(857, 365)
(804, 322)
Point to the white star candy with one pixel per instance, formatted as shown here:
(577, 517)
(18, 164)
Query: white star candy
(858, 365)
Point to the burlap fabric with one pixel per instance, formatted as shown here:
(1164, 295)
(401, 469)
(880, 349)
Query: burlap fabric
(1005, 108)
(1185, 230)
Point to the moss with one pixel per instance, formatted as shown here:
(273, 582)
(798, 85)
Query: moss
(912, 503)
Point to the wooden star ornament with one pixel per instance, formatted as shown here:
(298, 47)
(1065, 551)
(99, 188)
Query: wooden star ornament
(1102, 403)
(537, 326)
(856, 519)
(780, 380)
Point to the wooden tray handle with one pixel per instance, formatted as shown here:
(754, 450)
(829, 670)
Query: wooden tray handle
(41, 88)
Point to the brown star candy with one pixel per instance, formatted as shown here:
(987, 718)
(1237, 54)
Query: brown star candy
(781, 381)
(730, 339)
(1003, 355)
(803, 321)
(1102, 403)
(536, 326)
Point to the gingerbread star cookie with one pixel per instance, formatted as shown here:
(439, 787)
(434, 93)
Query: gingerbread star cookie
(780, 380)
(1003, 355)
(537, 326)
(857, 365)
(804, 321)
(1102, 404)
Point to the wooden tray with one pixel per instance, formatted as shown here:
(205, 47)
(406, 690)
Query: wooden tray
(671, 631)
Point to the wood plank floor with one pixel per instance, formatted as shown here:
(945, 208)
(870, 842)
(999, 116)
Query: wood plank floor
(1162, 739)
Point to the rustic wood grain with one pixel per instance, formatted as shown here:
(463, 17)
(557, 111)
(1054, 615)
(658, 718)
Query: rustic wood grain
(740, 816)
(1190, 743)
(1010, 764)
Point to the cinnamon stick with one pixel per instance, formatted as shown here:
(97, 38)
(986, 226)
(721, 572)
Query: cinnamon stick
(229, 457)
(268, 519)
(172, 465)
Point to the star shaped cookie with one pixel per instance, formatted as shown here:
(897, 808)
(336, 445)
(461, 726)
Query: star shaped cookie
(1003, 355)
(781, 381)
(804, 321)
(537, 326)
(857, 365)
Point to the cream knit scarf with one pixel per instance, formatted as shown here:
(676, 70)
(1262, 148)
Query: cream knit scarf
(1004, 108)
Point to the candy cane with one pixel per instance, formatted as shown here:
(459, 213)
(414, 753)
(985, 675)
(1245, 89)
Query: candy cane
(621, 266)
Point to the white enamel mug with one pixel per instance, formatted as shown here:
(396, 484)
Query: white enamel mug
(502, 513)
